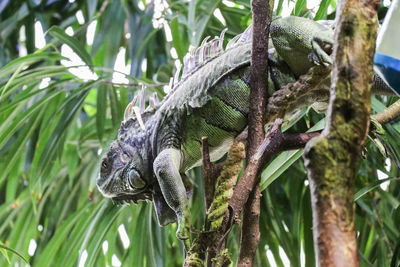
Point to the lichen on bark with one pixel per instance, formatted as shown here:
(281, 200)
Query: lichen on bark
(225, 182)
(208, 241)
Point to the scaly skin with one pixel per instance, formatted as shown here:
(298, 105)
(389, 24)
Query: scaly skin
(213, 101)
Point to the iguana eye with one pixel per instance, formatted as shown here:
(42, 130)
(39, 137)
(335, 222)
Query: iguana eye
(104, 165)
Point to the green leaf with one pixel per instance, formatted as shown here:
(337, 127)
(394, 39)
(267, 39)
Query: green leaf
(377, 105)
(47, 256)
(19, 145)
(91, 7)
(101, 230)
(323, 7)
(72, 106)
(76, 46)
(7, 26)
(279, 7)
(299, 7)
(197, 22)
(101, 110)
(278, 166)
(116, 108)
(15, 122)
(307, 230)
(371, 187)
(13, 251)
(176, 39)
(28, 60)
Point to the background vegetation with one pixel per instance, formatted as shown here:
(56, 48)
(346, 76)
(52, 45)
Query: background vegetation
(54, 125)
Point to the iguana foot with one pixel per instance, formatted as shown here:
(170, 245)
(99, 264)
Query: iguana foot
(183, 234)
(322, 45)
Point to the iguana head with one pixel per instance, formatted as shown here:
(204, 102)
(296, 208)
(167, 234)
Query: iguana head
(126, 172)
(123, 174)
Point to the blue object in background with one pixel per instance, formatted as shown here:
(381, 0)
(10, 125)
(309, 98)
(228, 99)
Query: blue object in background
(389, 69)
(387, 56)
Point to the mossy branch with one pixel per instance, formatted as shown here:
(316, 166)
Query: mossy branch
(224, 188)
(331, 159)
(214, 226)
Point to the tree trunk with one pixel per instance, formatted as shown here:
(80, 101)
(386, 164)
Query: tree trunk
(332, 159)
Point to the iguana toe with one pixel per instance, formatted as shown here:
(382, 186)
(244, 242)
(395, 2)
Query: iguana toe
(183, 234)
(322, 45)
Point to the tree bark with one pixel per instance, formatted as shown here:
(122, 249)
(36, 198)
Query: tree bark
(332, 159)
(250, 237)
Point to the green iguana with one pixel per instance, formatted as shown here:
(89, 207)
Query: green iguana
(156, 147)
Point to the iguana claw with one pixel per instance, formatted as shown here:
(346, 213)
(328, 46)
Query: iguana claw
(322, 45)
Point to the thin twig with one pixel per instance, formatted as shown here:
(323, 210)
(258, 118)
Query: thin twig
(211, 171)
(208, 179)
(296, 141)
(389, 114)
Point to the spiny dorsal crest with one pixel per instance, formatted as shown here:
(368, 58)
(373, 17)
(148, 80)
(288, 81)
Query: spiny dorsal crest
(207, 50)
(135, 117)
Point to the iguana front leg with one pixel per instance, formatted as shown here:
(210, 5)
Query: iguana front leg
(166, 168)
(302, 43)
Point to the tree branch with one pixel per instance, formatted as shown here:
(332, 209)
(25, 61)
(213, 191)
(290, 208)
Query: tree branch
(274, 142)
(304, 91)
(261, 10)
(211, 172)
(296, 141)
(217, 221)
(388, 114)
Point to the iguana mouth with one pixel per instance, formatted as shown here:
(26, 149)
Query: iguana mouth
(127, 199)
